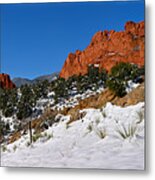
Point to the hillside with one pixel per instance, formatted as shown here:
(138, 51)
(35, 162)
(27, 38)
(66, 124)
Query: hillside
(111, 137)
(90, 121)
(95, 101)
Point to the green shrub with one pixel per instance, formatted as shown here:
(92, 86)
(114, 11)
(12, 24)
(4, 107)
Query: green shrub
(126, 71)
(4, 148)
(120, 74)
(117, 86)
(36, 137)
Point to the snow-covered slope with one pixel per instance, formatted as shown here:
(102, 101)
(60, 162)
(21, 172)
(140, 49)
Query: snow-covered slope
(107, 138)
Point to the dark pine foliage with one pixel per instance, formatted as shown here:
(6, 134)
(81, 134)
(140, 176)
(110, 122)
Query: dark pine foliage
(121, 74)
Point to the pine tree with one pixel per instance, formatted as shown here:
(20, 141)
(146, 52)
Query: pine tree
(27, 102)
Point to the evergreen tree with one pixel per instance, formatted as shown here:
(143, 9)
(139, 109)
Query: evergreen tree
(60, 89)
(27, 102)
(8, 101)
(121, 74)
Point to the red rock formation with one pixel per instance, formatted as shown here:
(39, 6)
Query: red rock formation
(5, 82)
(108, 48)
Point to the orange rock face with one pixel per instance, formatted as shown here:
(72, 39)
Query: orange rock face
(108, 48)
(5, 82)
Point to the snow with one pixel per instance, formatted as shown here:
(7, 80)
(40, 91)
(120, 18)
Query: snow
(131, 85)
(96, 65)
(74, 100)
(91, 142)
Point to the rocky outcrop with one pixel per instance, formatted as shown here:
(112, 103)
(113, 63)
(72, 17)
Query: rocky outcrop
(108, 48)
(5, 82)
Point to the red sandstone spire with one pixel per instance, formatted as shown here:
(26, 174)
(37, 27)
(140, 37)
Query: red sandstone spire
(107, 48)
(5, 82)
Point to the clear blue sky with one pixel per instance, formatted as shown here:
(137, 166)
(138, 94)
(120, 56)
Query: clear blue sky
(36, 38)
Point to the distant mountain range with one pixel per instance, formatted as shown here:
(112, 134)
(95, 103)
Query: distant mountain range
(22, 81)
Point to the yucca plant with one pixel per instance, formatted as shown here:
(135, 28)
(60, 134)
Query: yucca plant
(36, 137)
(14, 147)
(4, 148)
(140, 115)
(90, 127)
(101, 133)
(127, 132)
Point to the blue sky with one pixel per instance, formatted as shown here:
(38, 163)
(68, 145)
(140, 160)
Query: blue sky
(36, 38)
